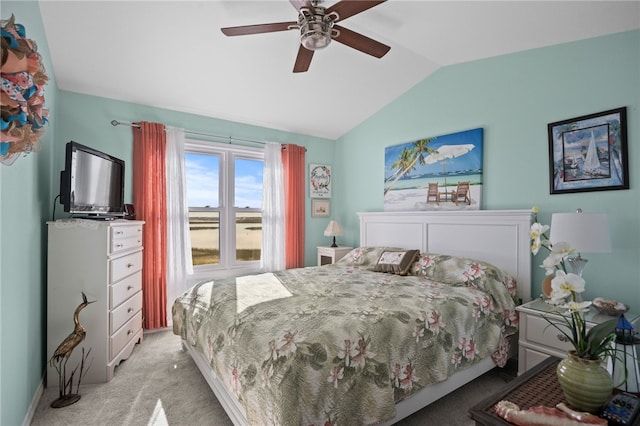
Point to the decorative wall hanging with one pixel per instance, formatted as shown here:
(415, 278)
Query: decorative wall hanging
(319, 181)
(320, 208)
(589, 153)
(22, 93)
(437, 173)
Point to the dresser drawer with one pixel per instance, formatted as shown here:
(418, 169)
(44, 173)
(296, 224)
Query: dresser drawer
(538, 330)
(125, 266)
(124, 238)
(124, 312)
(118, 232)
(125, 244)
(122, 290)
(120, 339)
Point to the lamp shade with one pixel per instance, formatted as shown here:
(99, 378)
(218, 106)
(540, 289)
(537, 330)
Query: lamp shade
(333, 229)
(584, 232)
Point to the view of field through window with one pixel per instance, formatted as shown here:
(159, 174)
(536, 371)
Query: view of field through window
(203, 179)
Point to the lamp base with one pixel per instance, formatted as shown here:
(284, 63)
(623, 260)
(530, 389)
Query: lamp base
(578, 264)
(334, 242)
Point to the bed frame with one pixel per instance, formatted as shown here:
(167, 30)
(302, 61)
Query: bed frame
(500, 237)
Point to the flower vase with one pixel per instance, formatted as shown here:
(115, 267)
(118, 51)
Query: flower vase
(586, 384)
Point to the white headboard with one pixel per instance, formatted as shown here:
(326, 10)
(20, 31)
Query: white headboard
(500, 237)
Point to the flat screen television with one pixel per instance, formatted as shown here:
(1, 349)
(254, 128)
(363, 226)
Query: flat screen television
(92, 183)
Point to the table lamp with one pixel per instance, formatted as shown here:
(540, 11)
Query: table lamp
(333, 229)
(584, 232)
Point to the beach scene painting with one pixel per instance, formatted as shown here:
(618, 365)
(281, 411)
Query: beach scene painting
(435, 173)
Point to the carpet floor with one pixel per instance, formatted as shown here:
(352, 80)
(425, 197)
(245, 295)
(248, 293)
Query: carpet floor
(161, 385)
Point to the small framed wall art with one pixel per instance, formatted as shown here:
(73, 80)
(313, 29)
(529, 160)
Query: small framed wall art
(320, 208)
(589, 153)
(319, 181)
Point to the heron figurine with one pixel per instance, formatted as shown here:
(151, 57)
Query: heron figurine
(61, 356)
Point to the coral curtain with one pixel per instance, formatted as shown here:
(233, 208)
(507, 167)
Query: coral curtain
(149, 198)
(293, 164)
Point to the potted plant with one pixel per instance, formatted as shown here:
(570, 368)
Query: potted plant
(586, 384)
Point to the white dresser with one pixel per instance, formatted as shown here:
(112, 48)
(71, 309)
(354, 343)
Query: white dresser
(103, 259)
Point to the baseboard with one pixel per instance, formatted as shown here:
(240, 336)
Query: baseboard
(34, 403)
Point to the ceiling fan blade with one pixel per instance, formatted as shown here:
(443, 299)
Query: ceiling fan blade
(258, 29)
(362, 43)
(348, 8)
(298, 4)
(303, 60)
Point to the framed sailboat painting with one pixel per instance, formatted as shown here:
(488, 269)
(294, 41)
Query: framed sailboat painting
(589, 153)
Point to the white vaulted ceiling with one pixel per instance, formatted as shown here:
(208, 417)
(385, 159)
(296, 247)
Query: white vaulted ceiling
(172, 54)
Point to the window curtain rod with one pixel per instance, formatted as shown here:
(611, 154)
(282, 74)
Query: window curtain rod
(190, 132)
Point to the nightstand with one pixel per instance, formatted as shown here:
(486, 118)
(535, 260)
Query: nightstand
(539, 340)
(329, 255)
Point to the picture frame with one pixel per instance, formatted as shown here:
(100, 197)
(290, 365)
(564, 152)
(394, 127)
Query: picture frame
(589, 153)
(320, 208)
(435, 173)
(319, 181)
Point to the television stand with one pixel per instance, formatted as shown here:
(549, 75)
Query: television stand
(98, 217)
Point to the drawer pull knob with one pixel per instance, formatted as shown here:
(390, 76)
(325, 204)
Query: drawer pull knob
(129, 332)
(562, 338)
(118, 245)
(129, 288)
(129, 265)
(130, 310)
(119, 232)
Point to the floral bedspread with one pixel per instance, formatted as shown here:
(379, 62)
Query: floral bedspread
(340, 344)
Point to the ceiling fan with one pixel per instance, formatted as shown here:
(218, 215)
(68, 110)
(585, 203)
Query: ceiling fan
(318, 27)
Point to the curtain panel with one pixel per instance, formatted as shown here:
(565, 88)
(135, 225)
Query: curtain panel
(149, 197)
(179, 264)
(293, 165)
(273, 213)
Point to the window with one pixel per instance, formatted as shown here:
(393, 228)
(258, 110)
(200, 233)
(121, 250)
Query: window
(224, 194)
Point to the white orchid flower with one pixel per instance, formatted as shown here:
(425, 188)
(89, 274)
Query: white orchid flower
(564, 285)
(536, 234)
(563, 249)
(574, 307)
(551, 263)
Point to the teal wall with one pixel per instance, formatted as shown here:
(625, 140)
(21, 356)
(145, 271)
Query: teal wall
(25, 203)
(513, 98)
(87, 120)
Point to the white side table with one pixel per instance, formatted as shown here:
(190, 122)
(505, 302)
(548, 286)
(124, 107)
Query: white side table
(538, 340)
(329, 255)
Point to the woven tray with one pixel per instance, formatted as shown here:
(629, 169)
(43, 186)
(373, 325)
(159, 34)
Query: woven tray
(543, 389)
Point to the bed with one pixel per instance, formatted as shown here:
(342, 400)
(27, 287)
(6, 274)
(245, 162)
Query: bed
(355, 342)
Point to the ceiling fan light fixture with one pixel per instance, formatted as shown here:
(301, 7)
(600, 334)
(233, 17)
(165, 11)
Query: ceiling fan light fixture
(315, 35)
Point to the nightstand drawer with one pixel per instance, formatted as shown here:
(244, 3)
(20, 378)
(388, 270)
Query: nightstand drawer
(538, 330)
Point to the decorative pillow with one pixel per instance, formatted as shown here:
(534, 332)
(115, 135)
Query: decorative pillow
(366, 257)
(454, 270)
(396, 262)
